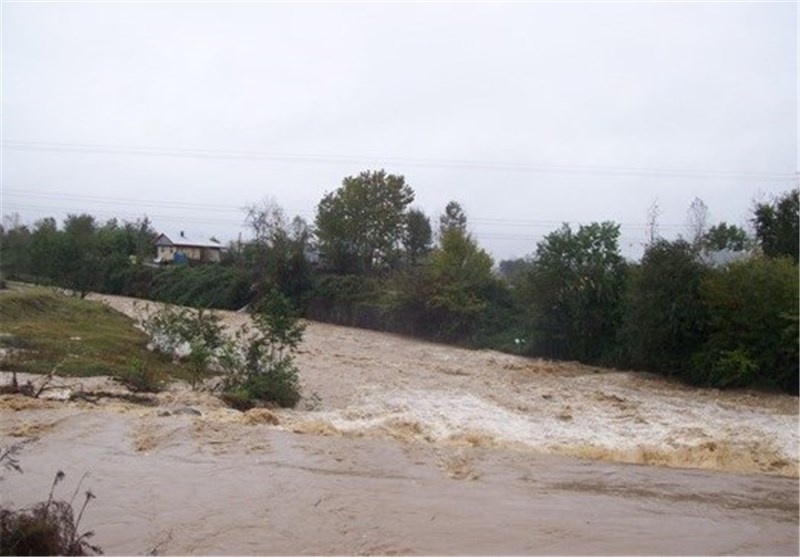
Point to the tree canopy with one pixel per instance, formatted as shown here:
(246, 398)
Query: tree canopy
(361, 226)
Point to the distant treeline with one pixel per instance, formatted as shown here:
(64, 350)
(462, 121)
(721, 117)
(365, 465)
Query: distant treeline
(718, 308)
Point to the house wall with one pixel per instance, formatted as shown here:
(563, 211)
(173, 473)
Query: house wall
(167, 253)
(212, 255)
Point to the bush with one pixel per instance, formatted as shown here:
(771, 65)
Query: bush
(194, 335)
(140, 378)
(260, 362)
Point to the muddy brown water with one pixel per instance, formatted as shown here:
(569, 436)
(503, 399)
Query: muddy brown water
(407, 447)
(207, 487)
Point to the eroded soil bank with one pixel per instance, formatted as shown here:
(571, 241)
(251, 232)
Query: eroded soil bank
(407, 447)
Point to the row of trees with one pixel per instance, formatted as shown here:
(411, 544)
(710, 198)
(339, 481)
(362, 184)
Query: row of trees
(717, 308)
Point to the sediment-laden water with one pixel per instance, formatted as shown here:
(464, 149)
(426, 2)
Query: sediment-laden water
(407, 447)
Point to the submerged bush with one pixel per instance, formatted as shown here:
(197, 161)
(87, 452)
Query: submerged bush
(194, 335)
(260, 362)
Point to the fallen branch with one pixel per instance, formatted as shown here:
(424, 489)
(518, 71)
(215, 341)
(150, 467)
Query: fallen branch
(94, 397)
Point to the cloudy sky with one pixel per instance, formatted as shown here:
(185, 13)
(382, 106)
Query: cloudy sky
(529, 114)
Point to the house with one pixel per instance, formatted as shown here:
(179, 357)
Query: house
(180, 247)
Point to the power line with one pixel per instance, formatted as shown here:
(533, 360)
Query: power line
(516, 223)
(184, 152)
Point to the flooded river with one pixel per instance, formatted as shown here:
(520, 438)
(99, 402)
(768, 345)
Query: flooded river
(407, 447)
(196, 485)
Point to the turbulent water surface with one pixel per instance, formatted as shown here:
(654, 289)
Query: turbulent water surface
(405, 447)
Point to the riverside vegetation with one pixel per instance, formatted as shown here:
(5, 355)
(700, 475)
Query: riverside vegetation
(46, 528)
(372, 260)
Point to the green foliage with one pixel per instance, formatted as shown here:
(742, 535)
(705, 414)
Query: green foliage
(276, 258)
(84, 256)
(259, 363)
(15, 241)
(664, 316)
(575, 291)
(453, 218)
(193, 335)
(345, 299)
(417, 237)
(778, 225)
(752, 326)
(216, 286)
(725, 237)
(460, 272)
(360, 226)
(140, 378)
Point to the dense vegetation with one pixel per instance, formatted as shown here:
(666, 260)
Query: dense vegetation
(718, 308)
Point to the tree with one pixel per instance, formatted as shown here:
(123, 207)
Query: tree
(697, 222)
(453, 218)
(79, 261)
(514, 271)
(777, 228)
(15, 240)
(277, 255)
(724, 236)
(460, 273)
(45, 245)
(360, 226)
(418, 236)
(752, 326)
(665, 316)
(575, 290)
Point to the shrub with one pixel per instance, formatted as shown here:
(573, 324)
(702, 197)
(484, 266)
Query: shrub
(140, 378)
(183, 333)
(260, 362)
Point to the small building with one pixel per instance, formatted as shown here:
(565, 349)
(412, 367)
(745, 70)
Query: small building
(180, 247)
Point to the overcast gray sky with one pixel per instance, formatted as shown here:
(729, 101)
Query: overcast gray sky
(529, 114)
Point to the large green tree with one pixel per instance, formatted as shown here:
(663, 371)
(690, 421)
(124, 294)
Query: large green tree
(360, 226)
(459, 278)
(665, 316)
(752, 325)
(724, 236)
(574, 290)
(778, 225)
(417, 237)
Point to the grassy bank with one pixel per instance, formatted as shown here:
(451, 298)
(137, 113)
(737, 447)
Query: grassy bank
(42, 330)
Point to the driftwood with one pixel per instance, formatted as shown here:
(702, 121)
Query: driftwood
(95, 396)
(29, 389)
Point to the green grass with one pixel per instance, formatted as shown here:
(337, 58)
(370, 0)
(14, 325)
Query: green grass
(80, 338)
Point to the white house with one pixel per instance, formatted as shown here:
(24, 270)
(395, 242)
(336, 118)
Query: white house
(180, 248)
